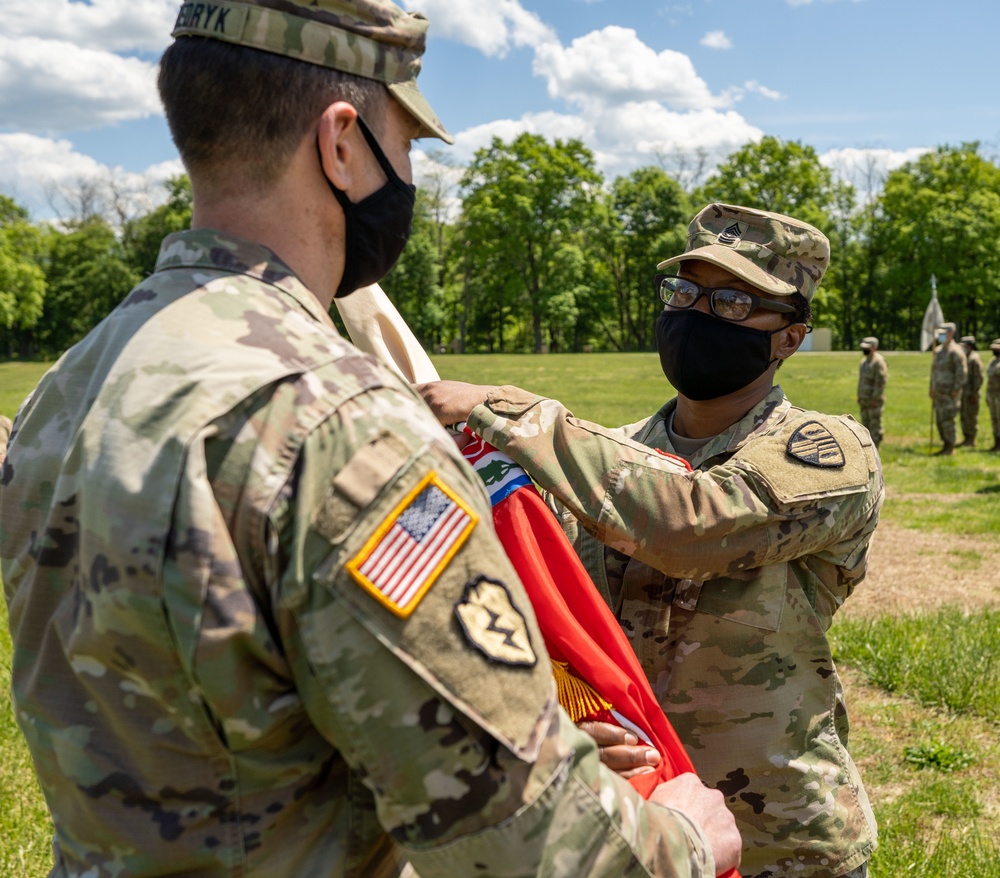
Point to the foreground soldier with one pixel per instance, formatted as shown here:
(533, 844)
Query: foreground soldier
(262, 625)
(873, 374)
(970, 392)
(948, 374)
(993, 392)
(726, 577)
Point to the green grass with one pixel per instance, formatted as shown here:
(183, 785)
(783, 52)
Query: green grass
(929, 751)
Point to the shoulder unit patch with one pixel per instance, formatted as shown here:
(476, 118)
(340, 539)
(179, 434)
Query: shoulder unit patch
(408, 551)
(493, 623)
(813, 443)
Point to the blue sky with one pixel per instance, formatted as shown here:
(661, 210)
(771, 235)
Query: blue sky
(868, 83)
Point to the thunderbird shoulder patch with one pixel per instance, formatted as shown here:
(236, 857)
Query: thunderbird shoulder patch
(414, 544)
(493, 623)
(813, 443)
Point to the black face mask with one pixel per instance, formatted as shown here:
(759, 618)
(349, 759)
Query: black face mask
(704, 357)
(377, 227)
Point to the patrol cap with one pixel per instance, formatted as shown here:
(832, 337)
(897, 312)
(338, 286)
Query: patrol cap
(995, 344)
(374, 39)
(948, 327)
(773, 252)
(969, 339)
(869, 342)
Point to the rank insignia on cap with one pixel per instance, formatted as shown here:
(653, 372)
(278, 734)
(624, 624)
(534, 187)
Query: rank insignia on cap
(493, 623)
(733, 234)
(812, 443)
(408, 551)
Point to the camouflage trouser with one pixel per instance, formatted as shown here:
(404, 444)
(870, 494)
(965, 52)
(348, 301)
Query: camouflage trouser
(993, 401)
(860, 872)
(945, 410)
(970, 416)
(871, 418)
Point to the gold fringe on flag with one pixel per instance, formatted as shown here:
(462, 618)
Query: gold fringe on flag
(579, 699)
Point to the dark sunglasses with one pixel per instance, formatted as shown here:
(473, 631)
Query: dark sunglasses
(679, 292)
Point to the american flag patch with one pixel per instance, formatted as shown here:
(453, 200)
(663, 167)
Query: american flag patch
(413, 545)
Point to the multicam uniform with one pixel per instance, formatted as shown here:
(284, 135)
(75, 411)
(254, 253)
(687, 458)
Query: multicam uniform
(948, 373)
(726, 579)
(970, 396)
(212, 677)
(993, 397)
(872, 376)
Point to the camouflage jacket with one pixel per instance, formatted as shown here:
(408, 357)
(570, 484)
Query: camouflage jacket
(726, 579)
(949, 370)
(872, 376)
(974, 379)
(993, 377)
(219, 665)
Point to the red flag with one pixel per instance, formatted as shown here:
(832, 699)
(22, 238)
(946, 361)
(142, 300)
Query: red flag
(579, 629)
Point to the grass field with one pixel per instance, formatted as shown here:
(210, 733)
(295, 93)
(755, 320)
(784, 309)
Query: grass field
(923, 686)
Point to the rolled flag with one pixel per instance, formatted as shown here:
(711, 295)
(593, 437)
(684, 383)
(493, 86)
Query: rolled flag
(597, 673)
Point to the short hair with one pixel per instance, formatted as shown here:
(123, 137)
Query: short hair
(232, 105)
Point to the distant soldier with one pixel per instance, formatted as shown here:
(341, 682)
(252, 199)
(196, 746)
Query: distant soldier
(993, 392)
(948, 373)
(5, 426)
(872, 376)
(970, 393)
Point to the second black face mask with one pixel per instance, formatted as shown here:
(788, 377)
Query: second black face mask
(704, 357)
(377, 228)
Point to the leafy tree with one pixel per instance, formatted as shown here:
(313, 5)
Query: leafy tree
(524, 203)
(644, 221)
(141, 237)
(87, 275)
(22, 280)
(940, 215)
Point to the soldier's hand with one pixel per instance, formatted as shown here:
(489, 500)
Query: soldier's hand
(708, 809)
(453, 401)
(620, 749)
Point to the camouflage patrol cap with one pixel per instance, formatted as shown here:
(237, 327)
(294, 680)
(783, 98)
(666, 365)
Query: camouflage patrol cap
(869, 342)
(948, 327)
(969, 340)
(773, 252)
(995, 344)
(374, 39)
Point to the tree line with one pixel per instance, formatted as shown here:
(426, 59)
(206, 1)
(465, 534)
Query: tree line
(533, 250)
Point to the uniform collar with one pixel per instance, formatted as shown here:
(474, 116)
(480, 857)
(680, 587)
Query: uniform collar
(213, 250)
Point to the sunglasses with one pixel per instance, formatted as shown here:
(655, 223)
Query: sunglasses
(679, 292)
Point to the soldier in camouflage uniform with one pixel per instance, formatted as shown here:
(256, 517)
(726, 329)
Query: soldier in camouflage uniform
(261, 622)
(948, 374)
(970, 392)
(5, 426)
(993, 392)
(872, 376)
(726, 564)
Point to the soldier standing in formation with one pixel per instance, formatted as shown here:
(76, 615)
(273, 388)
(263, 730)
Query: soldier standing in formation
(970, 392)
(948, 373)
(872, 376)
(993, 392)
(726, 560)
(243, 562)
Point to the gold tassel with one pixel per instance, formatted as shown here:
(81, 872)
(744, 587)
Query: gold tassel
(579, 699)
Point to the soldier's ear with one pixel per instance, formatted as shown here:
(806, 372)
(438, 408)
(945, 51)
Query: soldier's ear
(789, 340)
(340, 141)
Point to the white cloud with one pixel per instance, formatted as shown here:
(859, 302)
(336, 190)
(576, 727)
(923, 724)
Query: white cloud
(49, 87)
(867, 168)
(613, 66)
(716, 39)
(492, 28)
(34, 171)
(110, 25)
(755, 87)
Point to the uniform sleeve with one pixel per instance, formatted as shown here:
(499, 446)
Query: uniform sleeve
(691, 525)
(880, 380)
(418, 657)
